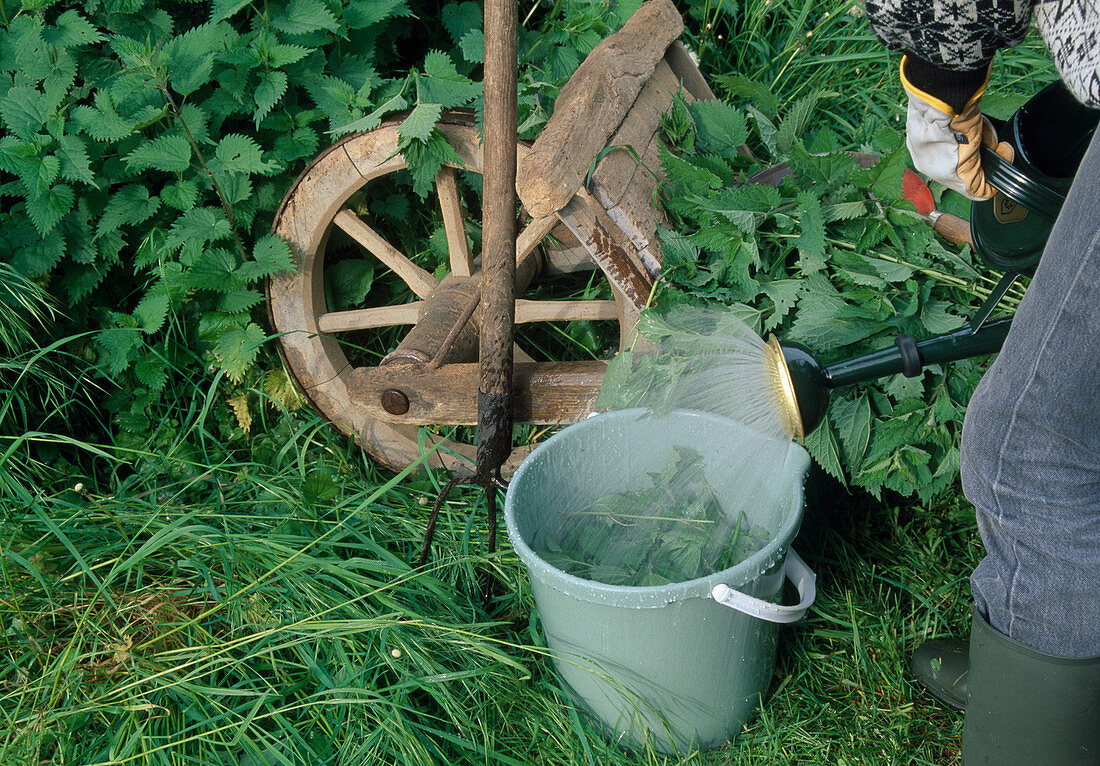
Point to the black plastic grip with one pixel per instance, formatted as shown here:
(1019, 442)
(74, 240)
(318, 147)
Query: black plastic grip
(911, 361)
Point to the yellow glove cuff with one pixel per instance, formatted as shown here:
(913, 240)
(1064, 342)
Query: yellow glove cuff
(931, 100)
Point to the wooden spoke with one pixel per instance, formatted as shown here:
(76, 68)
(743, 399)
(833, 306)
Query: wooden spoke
(567, 311)
(419, 280)
(366, 319)
(450, 203)
(532, 234)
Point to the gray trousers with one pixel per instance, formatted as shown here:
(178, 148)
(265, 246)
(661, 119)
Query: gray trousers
(1031, 446)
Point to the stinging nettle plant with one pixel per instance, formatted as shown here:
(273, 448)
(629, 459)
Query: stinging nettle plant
(146, 145)
(832, 258)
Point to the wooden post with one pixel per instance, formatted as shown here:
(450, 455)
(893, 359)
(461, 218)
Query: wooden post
(494, 442)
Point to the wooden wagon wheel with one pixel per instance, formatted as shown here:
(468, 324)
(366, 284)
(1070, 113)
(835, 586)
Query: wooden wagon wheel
(323, 345)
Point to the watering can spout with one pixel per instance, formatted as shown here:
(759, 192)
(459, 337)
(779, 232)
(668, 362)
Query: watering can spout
(801, 383)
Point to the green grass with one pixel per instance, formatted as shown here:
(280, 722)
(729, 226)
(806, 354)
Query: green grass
(257, 614)
(210, 598)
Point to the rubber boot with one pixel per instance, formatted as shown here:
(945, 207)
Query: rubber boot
(1028, 708)
(942, 666)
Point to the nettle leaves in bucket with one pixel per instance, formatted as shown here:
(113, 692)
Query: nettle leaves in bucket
(673, 530)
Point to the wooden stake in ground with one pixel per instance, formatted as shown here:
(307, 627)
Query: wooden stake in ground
(494, 441)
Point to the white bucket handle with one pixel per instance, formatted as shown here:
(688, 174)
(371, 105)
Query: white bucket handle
(795, 570)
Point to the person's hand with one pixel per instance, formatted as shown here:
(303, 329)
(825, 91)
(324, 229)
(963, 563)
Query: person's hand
(946, 146)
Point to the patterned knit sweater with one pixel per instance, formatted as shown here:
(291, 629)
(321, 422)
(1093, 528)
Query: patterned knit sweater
(951, 42)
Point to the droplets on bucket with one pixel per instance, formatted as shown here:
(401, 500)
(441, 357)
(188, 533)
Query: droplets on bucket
(682, 664)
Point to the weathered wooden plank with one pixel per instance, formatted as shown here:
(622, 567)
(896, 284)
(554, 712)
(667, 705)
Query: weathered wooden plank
(563, 254)
(592, 105)
(608, 246)
(637, 214)
(687, 72)
(620, 169)
(545, 392)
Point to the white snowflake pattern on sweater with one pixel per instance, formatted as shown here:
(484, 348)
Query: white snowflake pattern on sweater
(963, 35)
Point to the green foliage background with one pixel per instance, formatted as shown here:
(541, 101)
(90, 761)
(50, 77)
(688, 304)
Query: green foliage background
(146, 146)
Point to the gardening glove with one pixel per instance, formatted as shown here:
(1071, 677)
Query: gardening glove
(946, 145)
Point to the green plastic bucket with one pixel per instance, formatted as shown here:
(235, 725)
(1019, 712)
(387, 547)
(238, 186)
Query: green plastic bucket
(677, 666)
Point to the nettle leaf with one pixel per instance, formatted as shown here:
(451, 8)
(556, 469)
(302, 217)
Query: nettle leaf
(852, 419)
(472, 46)
(758, 93)
(48, 207)
(77, 229)
(362, 14)
(241, 154)
(24, 110)
(34, 255)
(281, 55)
(71, 30)
(117, 347)
(271, 88)
(426, 159)
(223, 9)
(826, 321)
(169, 153)
(75, 165)
(822, 445)
(240, 300)
(190, 56)
(420, 124)
(103, 122)
(271, 254)
(442, 84)
(20, 158)
(236, 349)
(201, 224)
(680, 254)
(691, 178)
(793, 125)
(134, 54)
(884, 179)
(721, 128)
(151, 372)
(215, 271)
(459, 18)
(302, 16)
(784, 294)
(129, 205)
(811, 241)
(937, 317)
(151, 311)
(180, 195)
(300, 144)
(351, 281)
(765, 128)
(44, 172)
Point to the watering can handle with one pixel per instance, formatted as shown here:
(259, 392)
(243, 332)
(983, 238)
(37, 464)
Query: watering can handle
(796, 570)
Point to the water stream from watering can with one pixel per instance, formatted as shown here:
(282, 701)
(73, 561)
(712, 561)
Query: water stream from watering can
(678, 513)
